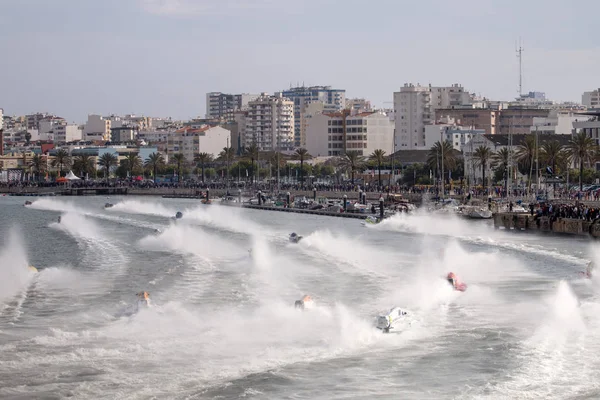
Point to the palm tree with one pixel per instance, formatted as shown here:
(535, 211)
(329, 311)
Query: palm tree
(133, 161)
(552, 152)
(581, 149)
(38, 165)
(482, 157)
(251, 153)
(378, 156)
(227, 154)
(276, 160)
(83, 165)
(351, 161)
(154, 162)
(108, 160)
(502, 159)
(203, 159)
(61, 159)
(526, 155)
(435, 154)
(179, 159)
(301, 154)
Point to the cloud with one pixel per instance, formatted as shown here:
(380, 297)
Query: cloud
(193, 8)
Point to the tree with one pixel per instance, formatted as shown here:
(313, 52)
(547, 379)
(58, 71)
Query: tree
(501, 160)
(227, 154)
(108, 161)
(179, 160)
(434, 157)
(582, 150)
(301, 154)
(155, 162)
(28, 137)
(203, 159)
(38, 165)
(277, 160)
(61, 159)
(83, 165)
(133, 161)
(378, 157)
(482, 157)
(526, 154)
(251, 153)
(351, 161)
(551, 153)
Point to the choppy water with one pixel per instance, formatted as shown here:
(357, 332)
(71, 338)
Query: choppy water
(223, 323)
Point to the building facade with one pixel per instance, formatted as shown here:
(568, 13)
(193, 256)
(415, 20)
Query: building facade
(270, 123)
(122, 134)
(191, 141)
(333, 100)
(591, 99)
(97, 127)
(333, 134)
(415, 106)
(557, 122)
(221, 106)
(450, 132)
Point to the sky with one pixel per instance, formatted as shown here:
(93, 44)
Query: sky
(160, 57)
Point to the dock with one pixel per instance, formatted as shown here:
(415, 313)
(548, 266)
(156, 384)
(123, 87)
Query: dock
(528, 223)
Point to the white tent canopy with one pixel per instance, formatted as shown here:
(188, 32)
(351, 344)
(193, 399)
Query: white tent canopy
(71, 176)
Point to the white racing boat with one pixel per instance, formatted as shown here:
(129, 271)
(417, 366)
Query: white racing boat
(395, 320)
(143, 300)
(306, 303)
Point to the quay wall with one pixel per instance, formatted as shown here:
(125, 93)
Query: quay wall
(526, 222)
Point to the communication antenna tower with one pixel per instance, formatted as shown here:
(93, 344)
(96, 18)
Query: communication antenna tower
(520, 50)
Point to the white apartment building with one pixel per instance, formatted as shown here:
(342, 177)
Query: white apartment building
(591, 99)
(222, 105)
(66, 133)
(415, 107)
(358, 105)
(270, 123)
(97, 127)
(191, 141)
(558, 122)
(332, 134)
(332, 99)
(47, 127)
(449, 131)
(154, 136)
(1, 118)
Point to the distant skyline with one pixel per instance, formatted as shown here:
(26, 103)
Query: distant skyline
(160, 57)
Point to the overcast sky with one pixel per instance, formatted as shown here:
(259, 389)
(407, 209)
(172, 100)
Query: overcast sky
(160, 57)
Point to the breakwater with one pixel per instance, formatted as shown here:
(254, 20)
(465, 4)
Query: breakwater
(529, 223)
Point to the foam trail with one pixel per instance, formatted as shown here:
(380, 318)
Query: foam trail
(144, 208)
(14, 274)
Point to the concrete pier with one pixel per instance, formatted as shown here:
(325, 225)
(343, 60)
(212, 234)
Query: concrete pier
(527, 222)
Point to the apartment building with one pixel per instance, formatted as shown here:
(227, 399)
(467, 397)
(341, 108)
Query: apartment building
(332, 134)
(415, 106)
(332, 99)
(97, 127)
(221, 106)
(591, 99)
(122, 134)
(270, 123)
(193, 140)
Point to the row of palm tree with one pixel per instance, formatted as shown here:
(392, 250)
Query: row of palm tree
(580, 150)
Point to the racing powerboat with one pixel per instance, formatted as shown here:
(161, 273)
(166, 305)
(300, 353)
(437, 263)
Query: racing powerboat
(456, 284)
(108, 205)
(372, 220)
(143, 300)
(178, 215)
(305, 303)
(294, 238)
(394, 320)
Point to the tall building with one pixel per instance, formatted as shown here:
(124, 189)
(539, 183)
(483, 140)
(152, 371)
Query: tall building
(591, 99)
(33, 120)
(415, 106)
(1, 132)
(476, 118)
(221, 106)
(270, 123)
(333, 100)
(358, 105)
(332, 134)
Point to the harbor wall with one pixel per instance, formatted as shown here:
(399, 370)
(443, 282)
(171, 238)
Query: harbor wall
(527, 222)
